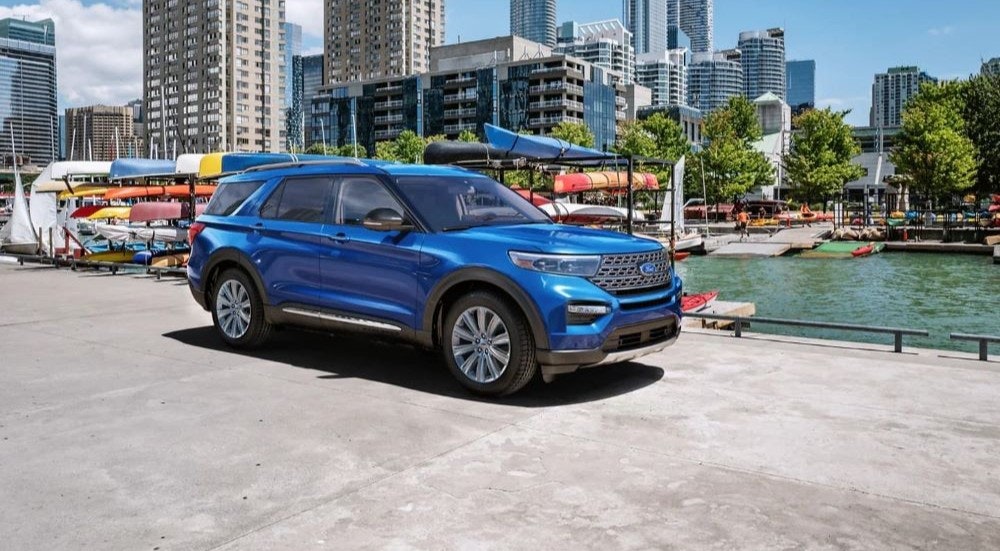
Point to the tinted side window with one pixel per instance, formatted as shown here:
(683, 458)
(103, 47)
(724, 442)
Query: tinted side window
(230, 196)
(299, 200)
(359, 196)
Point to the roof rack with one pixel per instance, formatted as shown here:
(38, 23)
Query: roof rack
(299, 164)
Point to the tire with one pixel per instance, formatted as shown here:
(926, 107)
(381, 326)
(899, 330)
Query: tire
(477, 362)
(238, 311)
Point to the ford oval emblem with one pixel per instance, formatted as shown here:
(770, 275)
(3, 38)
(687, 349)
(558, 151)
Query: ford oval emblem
(648, 268)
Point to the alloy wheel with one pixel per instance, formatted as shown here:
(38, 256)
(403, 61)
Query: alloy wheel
(232, 308)
(481, 344)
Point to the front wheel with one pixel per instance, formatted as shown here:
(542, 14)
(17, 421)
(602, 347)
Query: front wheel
(487, 344)
(238, 312)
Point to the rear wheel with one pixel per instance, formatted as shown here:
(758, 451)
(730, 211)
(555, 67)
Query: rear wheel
(487, 344)
(238, 312)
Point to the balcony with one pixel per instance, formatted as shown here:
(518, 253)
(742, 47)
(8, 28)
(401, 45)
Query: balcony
(620, 101)
(458, 98)
(388, 89)
(390, 134)
(552, 121)
(619, 115)
(556, 87)
(458, 128)
(391, 104)
(557, 103)
(459, 113)
(388, 119)
(459, 81)
(558, 70)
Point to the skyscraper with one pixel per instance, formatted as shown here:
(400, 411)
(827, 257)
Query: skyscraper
(534, 20)
(308, 81)
(293, 101)
(213, 76)
(762, 54)
(891, 91)
(100, 133)
(696, 19)
(666, 75)
(991, 67)
(647, 21)
(713, 78)
(801, 84)
(380, 38)
(606, 44)
(28, 89)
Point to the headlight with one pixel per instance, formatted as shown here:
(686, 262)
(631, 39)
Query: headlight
(578, 265)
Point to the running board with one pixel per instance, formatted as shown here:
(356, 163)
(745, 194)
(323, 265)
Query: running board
(342, 319)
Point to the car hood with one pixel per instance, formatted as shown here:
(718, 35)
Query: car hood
(557, 239)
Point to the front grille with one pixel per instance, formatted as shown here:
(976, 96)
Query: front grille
(620, 274)
(628, 338)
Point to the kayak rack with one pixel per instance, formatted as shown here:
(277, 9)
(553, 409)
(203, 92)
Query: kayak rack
(983, 340)
(739, 322)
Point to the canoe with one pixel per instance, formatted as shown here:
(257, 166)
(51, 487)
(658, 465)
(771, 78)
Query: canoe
(109, 256)
(133, 192)
(542, 147)
(85, 211)
(139, 169)
(83, 192)
(590, 181)
(869, 249)
(175, 260)
(681, 255)
(447, 152)
(163, 210)
(535, 198)
(182, 190)
(111, 212)
(121, 232)
(696, 302)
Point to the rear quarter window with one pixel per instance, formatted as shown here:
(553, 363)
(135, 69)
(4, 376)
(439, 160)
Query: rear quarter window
(230, 196)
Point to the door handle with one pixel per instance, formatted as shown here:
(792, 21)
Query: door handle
(257, 228)
(339, 238)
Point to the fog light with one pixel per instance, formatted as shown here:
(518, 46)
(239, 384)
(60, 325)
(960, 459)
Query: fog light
(585, 314)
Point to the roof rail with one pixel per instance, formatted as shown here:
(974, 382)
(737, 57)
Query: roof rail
(299, 164)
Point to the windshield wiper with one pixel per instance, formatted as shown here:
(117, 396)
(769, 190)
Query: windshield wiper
(458, 228)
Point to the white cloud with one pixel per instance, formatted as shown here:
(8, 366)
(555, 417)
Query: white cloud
(98, 49)
(941, 31)
(308, 13)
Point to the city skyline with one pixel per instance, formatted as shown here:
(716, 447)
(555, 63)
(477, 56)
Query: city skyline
(100, 50)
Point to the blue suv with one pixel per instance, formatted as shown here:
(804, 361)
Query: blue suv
(442, 257)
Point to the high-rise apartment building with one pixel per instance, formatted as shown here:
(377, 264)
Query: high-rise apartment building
(101, 133)
(890, 92)
(991, 67)
(28, 90)
(309, 81)
(534, 20)
(666, 75)
(762, 54)
(293, 101)
(696, 19)
(801, 84)
(606, 44)
(647, 21)
(380, 38)
(213, 77)
(713, 78)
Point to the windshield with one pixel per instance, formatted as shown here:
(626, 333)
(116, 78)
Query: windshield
(455, 203)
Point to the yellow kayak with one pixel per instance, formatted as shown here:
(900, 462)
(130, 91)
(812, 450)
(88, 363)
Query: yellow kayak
(84, 192)
(120, 213)
(109, 256)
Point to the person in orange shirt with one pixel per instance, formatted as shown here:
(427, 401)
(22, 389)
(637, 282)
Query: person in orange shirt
(742, 221)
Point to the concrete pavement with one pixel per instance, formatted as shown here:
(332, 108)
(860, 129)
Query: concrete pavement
(124, 424)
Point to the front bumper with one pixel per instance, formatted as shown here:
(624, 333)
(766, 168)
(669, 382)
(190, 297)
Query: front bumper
(623, 344)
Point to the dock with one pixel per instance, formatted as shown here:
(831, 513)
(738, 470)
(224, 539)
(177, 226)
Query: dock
(780, 242)
(126, 424)
(721, 308)
(938, 247)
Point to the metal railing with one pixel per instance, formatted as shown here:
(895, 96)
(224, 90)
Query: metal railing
(983, 340)
(740, 321)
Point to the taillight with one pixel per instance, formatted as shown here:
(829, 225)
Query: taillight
(193, 231)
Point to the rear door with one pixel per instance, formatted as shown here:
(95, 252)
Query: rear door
(288, 239)
(370, 273)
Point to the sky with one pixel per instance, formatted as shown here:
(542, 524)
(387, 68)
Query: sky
(99, 43)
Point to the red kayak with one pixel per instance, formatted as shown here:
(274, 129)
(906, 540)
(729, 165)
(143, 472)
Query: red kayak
(700, 301)
(681, 255)
(866, 250)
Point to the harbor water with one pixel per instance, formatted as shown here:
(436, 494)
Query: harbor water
(942, 293)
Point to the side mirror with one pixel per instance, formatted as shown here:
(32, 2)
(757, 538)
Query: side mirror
(386, 219)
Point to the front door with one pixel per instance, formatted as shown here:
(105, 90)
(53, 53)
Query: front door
(372, 274)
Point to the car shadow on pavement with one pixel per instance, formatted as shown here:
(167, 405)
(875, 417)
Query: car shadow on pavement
(341, 357)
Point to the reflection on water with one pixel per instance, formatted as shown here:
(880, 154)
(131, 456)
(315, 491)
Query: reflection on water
(937, 292)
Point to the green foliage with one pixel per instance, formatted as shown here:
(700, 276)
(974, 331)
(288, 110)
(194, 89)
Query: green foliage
(981, 113)
(468, 136)
(410, 147)
(932, 149)
(634, 139)
(657, 137)
(738, 120)
(732, 167)
(386, 151)
(820, 161)
(574, 133)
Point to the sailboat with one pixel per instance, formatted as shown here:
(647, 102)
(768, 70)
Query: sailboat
(18, 235)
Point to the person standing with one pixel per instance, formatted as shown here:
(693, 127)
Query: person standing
(742, 222)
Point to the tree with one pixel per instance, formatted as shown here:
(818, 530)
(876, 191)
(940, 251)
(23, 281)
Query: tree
(468, 136)
(732, 167)
(669, 140)
(409, 147)
(386, 151)
(820, 161)
(981, 113)
(574, 133)
(634, 139)
(932, 148)
(346, 150)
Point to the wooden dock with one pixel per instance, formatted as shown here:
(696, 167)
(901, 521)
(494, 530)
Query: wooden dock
(722, 308)
(939, 247)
